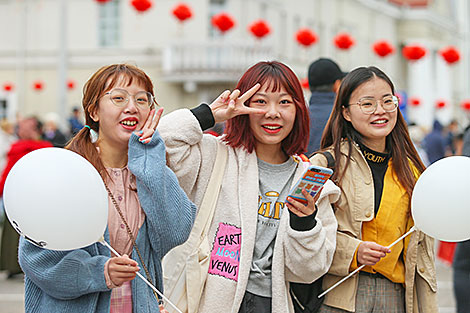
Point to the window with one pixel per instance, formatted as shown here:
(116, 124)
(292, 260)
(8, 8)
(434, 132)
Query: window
(109, 34)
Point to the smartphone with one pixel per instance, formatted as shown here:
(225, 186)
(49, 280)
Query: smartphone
(312, 180)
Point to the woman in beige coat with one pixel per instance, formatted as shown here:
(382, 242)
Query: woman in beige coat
(376, 167)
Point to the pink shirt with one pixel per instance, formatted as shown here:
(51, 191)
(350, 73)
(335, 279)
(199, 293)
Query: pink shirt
(124, 189)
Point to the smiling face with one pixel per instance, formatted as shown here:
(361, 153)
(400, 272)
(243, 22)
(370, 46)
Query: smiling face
(274, 126)
(375, 127)
(117, 123)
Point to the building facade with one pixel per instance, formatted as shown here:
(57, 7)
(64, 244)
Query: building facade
(52, 41)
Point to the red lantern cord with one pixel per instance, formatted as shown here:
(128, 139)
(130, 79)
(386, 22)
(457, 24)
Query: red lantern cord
(413, 101)
(38, 85)
(440, 104)
(343, 41)
(223, 21)
(465, 105)
(306, 37)
(304, 83)
(8, 87)
(383, 48)
(450, 54)
(70, 84)
(142, 5)
(413, 52)
(259, 28)
(182, 12)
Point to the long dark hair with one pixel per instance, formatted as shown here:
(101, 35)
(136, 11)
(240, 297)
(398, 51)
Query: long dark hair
(337, 129)
(99, 83)
(238, 131)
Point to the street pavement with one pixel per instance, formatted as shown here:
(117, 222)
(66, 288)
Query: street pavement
(12, 293)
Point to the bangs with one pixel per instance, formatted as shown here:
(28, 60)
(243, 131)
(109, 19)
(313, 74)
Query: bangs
(126, 76)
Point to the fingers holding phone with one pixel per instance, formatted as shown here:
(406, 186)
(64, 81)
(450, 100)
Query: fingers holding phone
(299, 208)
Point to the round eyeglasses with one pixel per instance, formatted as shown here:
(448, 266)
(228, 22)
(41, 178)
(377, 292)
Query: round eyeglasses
(120, 98)
(369, 105)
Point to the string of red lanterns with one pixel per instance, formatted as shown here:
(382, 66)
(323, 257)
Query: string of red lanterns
(259, 28)
(182, 12)
(304, 83)
(70, 84)
(223, 22)
(343, 41)
(306, 37)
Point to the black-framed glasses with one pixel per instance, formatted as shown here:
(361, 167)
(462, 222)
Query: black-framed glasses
(120, 98)
(369, 105)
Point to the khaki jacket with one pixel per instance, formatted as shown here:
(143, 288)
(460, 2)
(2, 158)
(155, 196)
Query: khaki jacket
(356, 205)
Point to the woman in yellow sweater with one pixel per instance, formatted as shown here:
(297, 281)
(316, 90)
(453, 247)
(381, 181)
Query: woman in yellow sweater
(376, 167)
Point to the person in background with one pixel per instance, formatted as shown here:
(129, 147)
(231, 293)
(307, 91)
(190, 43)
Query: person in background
(417, 134)
(435, 143)
(148, 213)
(7, 137)
(324, 79)
(51, 131)
(461, 261)
(273, 240)
(29, 139)
(376, 168)
(75, 121)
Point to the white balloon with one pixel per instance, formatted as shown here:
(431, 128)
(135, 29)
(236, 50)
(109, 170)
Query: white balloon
(57, 199)
(440, 203)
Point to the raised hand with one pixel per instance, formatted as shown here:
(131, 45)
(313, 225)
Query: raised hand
(231, 104)
(146, 132)
(302, 210)
(369, 253)
(122, 269)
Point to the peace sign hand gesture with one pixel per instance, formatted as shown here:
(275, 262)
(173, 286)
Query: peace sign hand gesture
(231, 104)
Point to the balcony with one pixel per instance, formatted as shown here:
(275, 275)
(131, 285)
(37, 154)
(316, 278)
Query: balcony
(211, 61)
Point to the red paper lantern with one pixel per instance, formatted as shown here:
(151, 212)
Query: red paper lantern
(383, 48)
(142, 5)
(414, 101)
(38, 85)
(259, 28)
(413, 52)
(182, 12)
(450, 54)
(70, 84)
(306, 37)
(102, 1)
(440, 104)
(304, 83)
(465, 105)
(343, 41)
(8, 87)
(223, 21)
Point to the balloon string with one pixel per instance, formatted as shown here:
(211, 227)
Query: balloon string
(412, 229)
(104, 243)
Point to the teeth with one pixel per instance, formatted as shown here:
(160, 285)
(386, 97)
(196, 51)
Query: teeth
(271, 127)
(129, 123)
(380, 122)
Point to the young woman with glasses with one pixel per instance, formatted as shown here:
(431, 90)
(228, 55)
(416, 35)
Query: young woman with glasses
(148, 212)
(376, 167)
